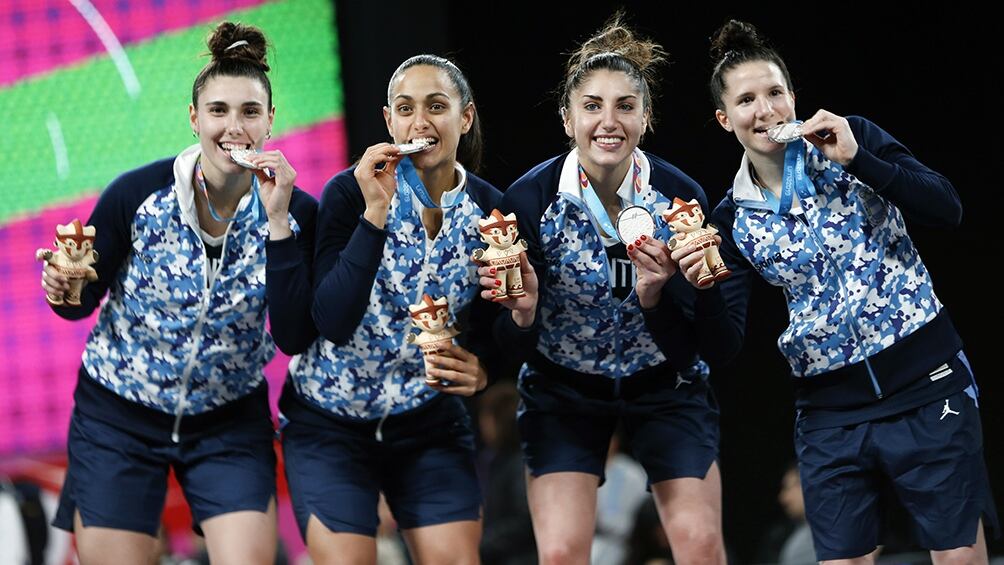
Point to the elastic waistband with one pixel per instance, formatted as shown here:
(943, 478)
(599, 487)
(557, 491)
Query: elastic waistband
(895, 368)
(607, 388)
(95, 401)
(299, 409)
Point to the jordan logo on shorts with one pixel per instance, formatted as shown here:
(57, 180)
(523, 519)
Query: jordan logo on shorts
(947, 410)
(681, 381)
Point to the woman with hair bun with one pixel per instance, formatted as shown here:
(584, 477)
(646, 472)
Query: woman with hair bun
(172, 377)
(883, 389)
(610, 332)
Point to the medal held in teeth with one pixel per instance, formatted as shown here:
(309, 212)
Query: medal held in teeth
(415, 146)
(785, 133)
(240, 156)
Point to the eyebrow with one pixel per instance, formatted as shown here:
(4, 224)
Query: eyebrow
(245, 104)
(750, 93)
(600, 98)
(430, 95)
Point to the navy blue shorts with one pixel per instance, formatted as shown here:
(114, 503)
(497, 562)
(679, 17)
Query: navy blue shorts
(118, 478)
(931, 455)
(671, 420)
(424, 465)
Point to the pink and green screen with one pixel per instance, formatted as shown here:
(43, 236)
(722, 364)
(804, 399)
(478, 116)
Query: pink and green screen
(93, 88)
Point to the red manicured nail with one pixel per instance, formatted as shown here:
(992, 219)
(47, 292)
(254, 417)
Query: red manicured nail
(630, 247)
(492, 270)
(498, 282)
(644, 237)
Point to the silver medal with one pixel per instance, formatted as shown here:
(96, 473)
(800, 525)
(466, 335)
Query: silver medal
(785, 133)
(240, 156)
(634, 222)
(415, 147)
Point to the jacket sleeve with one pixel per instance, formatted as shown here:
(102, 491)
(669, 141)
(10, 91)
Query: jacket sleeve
(516, 341)
(288, 280)
(883, 163)
(478, 336)
(688, 319)
(346, 260)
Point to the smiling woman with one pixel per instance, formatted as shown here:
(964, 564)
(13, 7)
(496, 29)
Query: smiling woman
(366, 413)
(172, 372)
(609, 339)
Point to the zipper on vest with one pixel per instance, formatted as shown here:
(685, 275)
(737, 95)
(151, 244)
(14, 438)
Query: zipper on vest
(429, 246)
(197, 332)
(847, 306)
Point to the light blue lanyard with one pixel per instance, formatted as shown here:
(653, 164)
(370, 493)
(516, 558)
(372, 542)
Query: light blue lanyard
(408, 182)
(596, 207)
(253, 208)
(794, 180)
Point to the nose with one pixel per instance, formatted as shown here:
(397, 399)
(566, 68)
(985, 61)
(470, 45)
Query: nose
(764, 107)
(608, 119)
(421, 119)
(234, 126)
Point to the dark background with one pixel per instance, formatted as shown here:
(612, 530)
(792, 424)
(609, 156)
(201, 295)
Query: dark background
(924, 75)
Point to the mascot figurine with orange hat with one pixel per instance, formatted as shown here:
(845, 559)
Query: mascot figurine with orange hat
(430, 316)
(500, 233)
(686, 219)
(73, 258)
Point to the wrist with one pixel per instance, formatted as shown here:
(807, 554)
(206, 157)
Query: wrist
(523, 319)
(376, 215)
(648, 301)
(279, 229)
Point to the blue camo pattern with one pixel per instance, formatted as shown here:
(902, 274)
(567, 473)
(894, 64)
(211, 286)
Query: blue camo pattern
(376, 371)
(866, 289)
(583, 327)
(145, 334)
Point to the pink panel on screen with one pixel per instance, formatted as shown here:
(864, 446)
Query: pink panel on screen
(39, 35)
(40, 352)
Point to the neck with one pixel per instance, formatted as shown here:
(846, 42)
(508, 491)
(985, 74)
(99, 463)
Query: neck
(226, 191)
(768, 170)
(438, 180)
(606, 180)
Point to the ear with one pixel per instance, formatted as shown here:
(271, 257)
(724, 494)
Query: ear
(646, 121)
(723, 120)
(271, 118)
(386, 118)
(467, 118)
(566, 120)
(193, 119)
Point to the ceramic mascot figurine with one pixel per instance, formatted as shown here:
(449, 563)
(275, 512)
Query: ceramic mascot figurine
(686, 219)
(73, 257)
(500, 233)
(430, 316)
